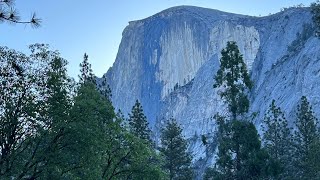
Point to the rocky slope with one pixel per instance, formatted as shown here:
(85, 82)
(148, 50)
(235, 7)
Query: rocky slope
(168, 62)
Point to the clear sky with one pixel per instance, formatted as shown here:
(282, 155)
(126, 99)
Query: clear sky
(74, 26)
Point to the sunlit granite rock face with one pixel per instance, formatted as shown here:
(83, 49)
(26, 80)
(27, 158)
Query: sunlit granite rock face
(168, 62)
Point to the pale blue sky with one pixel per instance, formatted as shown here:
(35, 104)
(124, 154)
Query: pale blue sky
(74, 27)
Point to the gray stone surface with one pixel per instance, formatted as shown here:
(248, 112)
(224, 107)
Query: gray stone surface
(181, 47)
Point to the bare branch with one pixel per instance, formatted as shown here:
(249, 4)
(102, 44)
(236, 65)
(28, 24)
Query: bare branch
(11, 15)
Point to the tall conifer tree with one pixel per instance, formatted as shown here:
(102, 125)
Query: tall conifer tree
(138, 123)
(306, 142)
(239, 152)
(86, 73)
(239, 145)
(174, 147)
(233, 77)
(277, 139)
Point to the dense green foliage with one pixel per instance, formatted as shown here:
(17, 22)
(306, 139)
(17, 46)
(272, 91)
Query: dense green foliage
(239, 152)
(34, 110)
(52, 128)
(174, 148)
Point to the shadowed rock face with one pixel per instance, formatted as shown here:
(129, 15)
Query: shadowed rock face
(168, 62)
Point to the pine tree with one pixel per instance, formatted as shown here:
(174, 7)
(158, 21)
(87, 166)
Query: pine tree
(174, 149)
(306, 139)
(234, 79)
(138, 123)
(239, 152)
(103, 149)
(92, 131)
(105, 89)
(315, 9)
(86, 71)
(277, 139)
(91, 117)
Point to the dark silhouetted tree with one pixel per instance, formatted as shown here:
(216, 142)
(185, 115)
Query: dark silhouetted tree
(239, 148)
(234, 80)
(277, 140)
(306, 139)
(86, 73)
(138, 123)
(105, 89)
(239, 152)
(315, 9)
(174, 148)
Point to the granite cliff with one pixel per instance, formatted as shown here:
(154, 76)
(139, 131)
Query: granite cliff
(168, 62)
